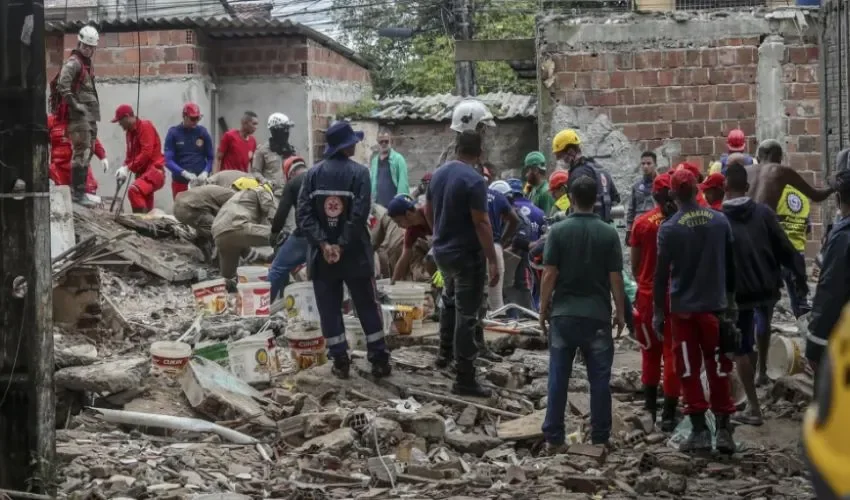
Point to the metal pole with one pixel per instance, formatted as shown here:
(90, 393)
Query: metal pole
(464, 70)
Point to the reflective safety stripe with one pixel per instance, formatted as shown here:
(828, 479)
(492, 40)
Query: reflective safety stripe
(685, 360)
(331, 341)
(330, 192)
(374, 337)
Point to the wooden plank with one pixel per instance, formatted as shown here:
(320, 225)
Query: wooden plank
(155, 256)
(520, 49)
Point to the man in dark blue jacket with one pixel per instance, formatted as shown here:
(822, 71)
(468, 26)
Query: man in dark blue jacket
(695, 257)
(188, 150)
(332, 211)
(761, 248)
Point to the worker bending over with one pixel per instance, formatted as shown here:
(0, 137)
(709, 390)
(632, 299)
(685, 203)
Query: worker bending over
(188, 150)
(411, 218)
(144, 159)
(242, 223)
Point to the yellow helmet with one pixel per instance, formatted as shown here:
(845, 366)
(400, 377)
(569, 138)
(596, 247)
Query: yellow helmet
(714, 167)
(244, 183)
(564, 139)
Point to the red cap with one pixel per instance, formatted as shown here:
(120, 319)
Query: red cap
(714, 180)
(736, 141)
(192, 110)
(122, 111)
(690, 167)
(661, 182)
(682, 177)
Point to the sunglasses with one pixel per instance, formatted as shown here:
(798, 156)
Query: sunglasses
(195, 119)
(383, 143)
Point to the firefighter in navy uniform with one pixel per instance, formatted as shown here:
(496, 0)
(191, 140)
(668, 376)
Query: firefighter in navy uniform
(333, 208)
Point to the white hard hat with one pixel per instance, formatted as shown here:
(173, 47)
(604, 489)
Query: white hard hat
(279, 120)
(469, 113)
(88, 36)
(501, 186)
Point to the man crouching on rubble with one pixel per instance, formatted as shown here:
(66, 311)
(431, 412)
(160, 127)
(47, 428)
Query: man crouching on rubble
(332, 211)
(695, 257)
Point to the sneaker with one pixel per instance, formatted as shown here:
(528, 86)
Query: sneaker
(550, 450)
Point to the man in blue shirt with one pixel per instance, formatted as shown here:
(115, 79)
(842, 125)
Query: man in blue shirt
(188, 150)
(505, 222)
(456, 207)
(695, 256)
(332, 211)
(532, 226)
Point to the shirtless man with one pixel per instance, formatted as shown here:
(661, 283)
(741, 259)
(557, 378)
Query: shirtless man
(769, 177)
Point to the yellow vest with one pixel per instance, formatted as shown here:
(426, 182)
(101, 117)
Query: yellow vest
(562, 204)
(793, 211)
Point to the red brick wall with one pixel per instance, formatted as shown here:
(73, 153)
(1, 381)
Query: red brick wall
(694, 96)
(163, 53)
(330, 65)
(322, 114)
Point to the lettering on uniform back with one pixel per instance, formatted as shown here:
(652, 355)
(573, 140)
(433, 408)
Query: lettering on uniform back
(696, 218)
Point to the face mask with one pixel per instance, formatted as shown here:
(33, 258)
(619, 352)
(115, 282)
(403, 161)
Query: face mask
(279, 140)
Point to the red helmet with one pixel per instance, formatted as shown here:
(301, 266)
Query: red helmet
(736, 141)
(191, 110)
(292, 161)
(558, 179)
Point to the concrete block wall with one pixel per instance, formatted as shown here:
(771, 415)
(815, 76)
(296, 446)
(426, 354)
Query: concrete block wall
(678, 86)
(76, 301)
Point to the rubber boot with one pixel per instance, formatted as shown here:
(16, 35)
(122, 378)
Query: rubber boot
(78, 186)
(650, 394)
(341, 367)
(668, 414)
(700, 438)
(466, 385)
(725, 442)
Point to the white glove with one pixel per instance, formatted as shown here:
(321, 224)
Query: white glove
(189, 176)
(105, 164)
(122, 173)
(202, 177)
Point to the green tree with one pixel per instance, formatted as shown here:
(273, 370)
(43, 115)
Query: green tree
(424, 64)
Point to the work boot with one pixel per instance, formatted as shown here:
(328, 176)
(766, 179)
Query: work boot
(725, 442)
(382, 368)
(443, 361)
(668, 414)
(342, 367)
(466, 385)
(650, 401)
(486, 353)
(700, 439)
(78, 188)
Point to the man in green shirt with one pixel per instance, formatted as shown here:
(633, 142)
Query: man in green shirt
(583, 264)
(536, 187)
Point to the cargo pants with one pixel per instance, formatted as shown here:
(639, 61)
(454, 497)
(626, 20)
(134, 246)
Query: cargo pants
(82, 134)
(463, 294)
(231, 245)
(652, 350)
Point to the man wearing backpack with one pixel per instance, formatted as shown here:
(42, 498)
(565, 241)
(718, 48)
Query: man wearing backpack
(566, 146)
(73, 99)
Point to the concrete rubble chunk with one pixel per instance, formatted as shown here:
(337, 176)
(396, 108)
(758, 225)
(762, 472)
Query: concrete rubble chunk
(335, 443)
(106, 377)
(476, 444)
(426, 425)
(68, 354)
(468, 417)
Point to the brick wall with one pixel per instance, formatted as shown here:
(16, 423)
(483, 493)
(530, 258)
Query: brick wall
(322, 113)
(162, 53)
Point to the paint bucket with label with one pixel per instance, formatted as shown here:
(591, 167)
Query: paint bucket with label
(307, 347)
(299, 301)
(211, 296)
(170, 357)
(253, 299)
(409, 293)
(254, 359)
(215, 352)
(398, 320)
(250, 274)
(354, 333)
(785, 357)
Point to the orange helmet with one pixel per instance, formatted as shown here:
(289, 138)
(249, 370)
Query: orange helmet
(558, 179)
(290, 162)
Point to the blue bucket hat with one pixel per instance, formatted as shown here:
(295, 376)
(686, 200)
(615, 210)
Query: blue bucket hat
(400, 205)
(340, 136)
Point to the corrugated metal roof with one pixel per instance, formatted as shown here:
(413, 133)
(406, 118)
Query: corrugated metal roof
(215, 27)
(503, 105)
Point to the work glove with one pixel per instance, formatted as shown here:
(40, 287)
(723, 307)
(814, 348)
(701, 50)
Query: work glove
(105, 164)
(658, 325)
(123, 173)
(202, 177)
(437, 279)
(189, 176)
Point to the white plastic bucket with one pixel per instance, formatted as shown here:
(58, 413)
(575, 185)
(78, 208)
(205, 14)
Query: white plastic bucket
(299, 301)
(307, 347)
(785, 357)
(170, 357)
(409, 293)
(398, 319)
(254, 359)
(211, 296)
(739, 396)
(250, 274)
(253, 299)
(354, 333)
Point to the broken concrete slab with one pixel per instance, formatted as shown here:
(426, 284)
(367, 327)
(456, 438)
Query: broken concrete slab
(527, 427)
(108, 377)
(67, 355)
(425, 425)
(473, 443)
(335, 443)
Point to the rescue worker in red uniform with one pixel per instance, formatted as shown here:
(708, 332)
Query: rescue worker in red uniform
(643, 242)
(61, 153)
(712, 188)
(144, 159)
(696, 265)
(693, 169)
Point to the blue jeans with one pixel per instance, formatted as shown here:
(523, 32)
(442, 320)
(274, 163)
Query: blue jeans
(290, 255)
(567, 335)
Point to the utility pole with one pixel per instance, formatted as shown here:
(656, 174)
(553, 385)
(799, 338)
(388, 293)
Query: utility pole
(27, 397)
(464, 70)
